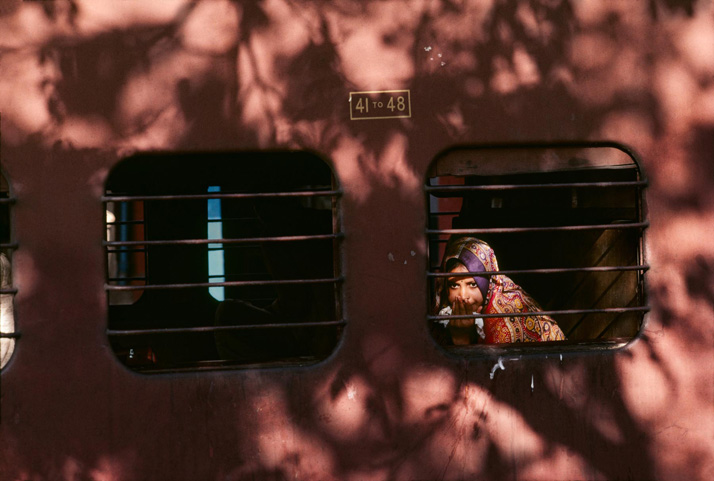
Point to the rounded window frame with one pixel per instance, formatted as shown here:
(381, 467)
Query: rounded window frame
(463, 160)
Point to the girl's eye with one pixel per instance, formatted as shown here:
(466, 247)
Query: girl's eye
(452, 285)
(472, 285)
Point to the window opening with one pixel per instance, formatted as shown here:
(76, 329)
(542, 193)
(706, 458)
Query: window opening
(566, 224)
(232, 260)
(8, 334)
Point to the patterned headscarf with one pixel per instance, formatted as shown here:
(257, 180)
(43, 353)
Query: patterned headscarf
(500, 293)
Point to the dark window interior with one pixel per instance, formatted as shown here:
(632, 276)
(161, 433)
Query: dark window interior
(270, 297)
(8, 335)
(575, 212)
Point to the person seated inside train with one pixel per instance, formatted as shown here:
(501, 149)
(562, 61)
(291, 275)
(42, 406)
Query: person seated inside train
(492, 294)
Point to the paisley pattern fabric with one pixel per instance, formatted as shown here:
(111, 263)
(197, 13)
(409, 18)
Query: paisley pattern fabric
(502, 296)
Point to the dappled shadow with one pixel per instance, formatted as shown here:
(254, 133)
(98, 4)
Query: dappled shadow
(597, 417)
(700, 280)
(515, 65)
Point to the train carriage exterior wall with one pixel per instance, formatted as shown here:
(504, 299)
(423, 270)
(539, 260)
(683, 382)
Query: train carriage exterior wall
(86, 84)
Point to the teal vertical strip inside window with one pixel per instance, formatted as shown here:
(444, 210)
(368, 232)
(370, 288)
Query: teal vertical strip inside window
(216, 265)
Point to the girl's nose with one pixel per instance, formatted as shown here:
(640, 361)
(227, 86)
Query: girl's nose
(464, 294)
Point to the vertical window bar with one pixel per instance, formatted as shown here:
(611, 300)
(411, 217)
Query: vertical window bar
(123, 255)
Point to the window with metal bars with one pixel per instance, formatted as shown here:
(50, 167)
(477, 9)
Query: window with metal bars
(566, 223)
(223, 260)
(8, 334)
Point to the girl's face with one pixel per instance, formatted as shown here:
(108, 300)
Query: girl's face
(464, 289)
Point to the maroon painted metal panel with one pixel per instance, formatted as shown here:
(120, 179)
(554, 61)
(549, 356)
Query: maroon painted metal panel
(84, 84)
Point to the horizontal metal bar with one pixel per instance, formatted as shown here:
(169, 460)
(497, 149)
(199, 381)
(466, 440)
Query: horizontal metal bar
(111, 279)
(188, 330)
(225, 284)
(543, 347)
(10, 335)
(126, 222)
(643, 267)
(256, 195)
(9, 245)
(227, 219)
(8, 290)
(228, 247)
(228, 364)
(509, 230)
(563, 312)
(8, 200)
(499, 187)
(244, 240)
(239, 274)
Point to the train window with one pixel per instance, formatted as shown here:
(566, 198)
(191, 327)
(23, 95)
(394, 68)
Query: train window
(565, 223)
(223, 260)
(8, 335)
